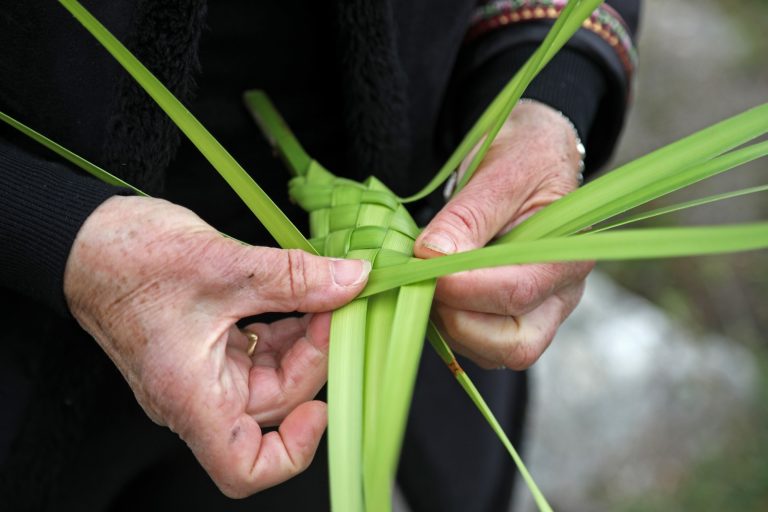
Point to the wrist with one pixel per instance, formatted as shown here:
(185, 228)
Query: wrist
(573, 140)
(116, 248)
(87, 257)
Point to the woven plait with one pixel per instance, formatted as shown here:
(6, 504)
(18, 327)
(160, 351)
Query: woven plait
(349, 219)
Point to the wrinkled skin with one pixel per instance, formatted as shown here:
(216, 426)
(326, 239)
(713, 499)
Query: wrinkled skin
(507, 316)
(160, 291)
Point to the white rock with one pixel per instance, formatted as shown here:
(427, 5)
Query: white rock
(625, 398)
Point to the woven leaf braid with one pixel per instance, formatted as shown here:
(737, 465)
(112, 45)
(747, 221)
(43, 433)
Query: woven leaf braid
(353, 220)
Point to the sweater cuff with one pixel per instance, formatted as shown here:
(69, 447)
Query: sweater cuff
(588, 80)
(570, 83)
(42, 207)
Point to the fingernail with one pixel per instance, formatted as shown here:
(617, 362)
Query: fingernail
(350, 272)
(439, 243)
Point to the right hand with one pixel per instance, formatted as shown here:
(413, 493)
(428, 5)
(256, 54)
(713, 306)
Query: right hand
(160, 291)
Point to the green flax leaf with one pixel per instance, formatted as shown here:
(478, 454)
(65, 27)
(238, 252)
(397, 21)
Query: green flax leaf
(395, 388)
(89, 167)
(446, 354)
(345, 410)
(670, 168)
(381, 316)
(634, 244)
(277, 131)
(679, 207)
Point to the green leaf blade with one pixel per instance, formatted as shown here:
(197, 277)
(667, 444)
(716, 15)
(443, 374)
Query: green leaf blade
(680, 206)
(274, 127)
(89, 167)
(405, 339)
(345, 406)
(440, 346)
(381, 315)
(667, 169)
(632, 244)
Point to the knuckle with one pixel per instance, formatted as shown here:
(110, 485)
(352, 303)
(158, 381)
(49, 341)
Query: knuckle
(465, 218)
(486, 363)
(519, 355)
(450, 325)
(296, 273)
(279, 410)
(450, 289)
(237, 489)
(520, 297)
(581, 269)
(522, 351)
(299, 461)
(239, 484)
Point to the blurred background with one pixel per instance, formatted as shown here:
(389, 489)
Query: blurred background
(654, 395)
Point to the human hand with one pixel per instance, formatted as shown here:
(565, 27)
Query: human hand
(507, 316)
(160, 291)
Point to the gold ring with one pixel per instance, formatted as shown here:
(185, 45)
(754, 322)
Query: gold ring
(253, 338)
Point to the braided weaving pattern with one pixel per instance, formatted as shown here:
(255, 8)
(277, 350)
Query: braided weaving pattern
(349, 219)
(366, 220)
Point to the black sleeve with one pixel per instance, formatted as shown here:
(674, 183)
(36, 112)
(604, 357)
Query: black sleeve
(589, 80)
(42, 206)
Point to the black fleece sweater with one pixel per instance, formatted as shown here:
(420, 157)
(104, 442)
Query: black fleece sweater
(430, 86)
(384, 89)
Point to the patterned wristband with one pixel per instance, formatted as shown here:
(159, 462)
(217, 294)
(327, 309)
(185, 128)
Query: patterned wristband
(605, 22)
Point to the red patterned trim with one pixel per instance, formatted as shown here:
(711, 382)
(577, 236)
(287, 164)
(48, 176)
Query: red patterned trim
(605, 22)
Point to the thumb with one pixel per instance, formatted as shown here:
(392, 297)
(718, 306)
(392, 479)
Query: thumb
(469, 220)
(293, 280)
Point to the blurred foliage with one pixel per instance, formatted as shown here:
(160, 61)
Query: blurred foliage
(725, 294)
(732, 478)
(752, 16)
(729, 294)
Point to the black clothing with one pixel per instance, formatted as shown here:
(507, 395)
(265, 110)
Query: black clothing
(384, 88)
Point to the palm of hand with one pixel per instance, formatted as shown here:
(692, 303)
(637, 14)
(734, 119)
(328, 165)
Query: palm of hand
(167, 317)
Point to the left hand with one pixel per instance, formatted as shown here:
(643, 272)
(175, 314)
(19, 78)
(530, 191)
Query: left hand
(507, 316)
